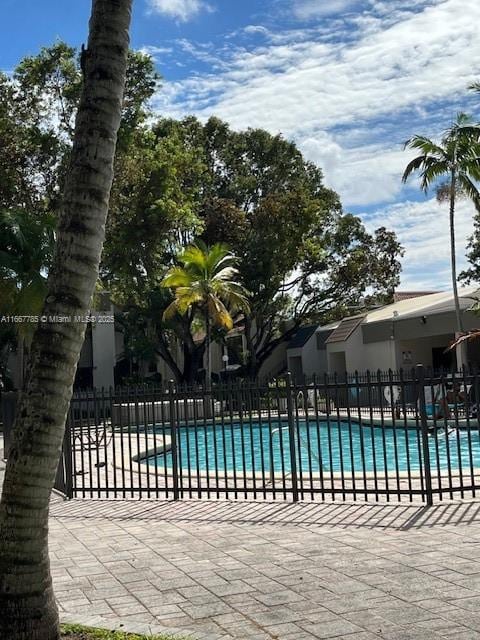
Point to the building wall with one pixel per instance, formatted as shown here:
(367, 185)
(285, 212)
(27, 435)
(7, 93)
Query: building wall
(421, 349)
(362, 357)
(381, 345)
(276, 363)
(314, 361)
(386, 354)
(353, 350)
(312, 357)
(380, 355)
(103, 352)
(295, 364)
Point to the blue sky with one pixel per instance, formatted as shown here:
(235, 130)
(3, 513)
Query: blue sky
(349, 80)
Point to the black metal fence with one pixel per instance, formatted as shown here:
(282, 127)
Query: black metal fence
(406, 436)
(63, 480)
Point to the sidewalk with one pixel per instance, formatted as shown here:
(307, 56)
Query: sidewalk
(278, 571)
(272, 571)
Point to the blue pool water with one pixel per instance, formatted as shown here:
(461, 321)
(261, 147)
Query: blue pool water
(329, 448)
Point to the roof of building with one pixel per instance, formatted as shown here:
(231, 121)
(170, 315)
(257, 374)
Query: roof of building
(422, 304)
(345, 329)
(406, 295)
(323, 333)
(302, 336)
(425, 305)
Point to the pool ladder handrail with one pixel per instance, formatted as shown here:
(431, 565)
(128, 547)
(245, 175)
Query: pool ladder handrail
(305, 442)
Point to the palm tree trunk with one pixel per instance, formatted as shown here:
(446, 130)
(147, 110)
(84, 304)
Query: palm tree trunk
(21, 361)
(453, 253)
(461, 347)
(27, 604)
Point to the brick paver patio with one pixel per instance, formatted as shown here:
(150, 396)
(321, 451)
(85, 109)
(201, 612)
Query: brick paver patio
(270, 571)
(264, 571)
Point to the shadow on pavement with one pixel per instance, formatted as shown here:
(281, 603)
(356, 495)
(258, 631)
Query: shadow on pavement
(384, 516)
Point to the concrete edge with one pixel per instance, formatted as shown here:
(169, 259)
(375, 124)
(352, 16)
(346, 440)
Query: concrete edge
(129, 626)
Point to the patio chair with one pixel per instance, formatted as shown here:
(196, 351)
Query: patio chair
(436, 405)
(458, 399)
(392, 395)
(88, 437)
(88, 430)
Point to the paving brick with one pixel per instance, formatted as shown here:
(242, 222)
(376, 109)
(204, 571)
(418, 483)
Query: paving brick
(331, 628)
(226, 571)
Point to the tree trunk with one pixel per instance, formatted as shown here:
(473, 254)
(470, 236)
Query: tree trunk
(453, 253)
(27, 604)
(164, 352)
(208, 340)
(250, 367)
(192, 362)
(21, 361)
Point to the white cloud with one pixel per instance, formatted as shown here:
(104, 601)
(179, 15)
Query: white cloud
(423, 229)
(323, 85)
(349, 96)
(363, 175)
(157, 53)
(182, 10)
(253, 29)
(308, 9)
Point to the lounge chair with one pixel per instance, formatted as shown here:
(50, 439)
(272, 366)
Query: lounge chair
(392, 395)
(436, 405)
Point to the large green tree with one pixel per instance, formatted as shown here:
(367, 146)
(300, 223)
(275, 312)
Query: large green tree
(38, 105)
(27, 604)
(456, 160)
(300, 254)
(152, 216)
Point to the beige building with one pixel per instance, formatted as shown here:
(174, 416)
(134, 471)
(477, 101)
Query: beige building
(416, 330)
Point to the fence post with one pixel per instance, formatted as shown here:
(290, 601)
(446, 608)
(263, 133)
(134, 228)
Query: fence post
(173, 438)
(291, 438)
(67, 453)
(420, 376)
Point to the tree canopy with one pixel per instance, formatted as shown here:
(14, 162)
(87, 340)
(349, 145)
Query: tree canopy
(205, 284)
(300, 255)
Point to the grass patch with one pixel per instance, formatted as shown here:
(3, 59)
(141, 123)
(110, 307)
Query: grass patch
(77, 632)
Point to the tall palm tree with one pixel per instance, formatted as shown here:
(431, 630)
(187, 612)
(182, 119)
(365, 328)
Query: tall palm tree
(456, 158)
(206, 281)
(27, 603)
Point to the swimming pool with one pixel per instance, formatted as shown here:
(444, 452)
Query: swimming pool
(320, 447)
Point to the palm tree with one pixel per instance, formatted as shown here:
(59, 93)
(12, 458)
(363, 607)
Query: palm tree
(457, 158)
(206, 281)
(26, 246)
(27, 603)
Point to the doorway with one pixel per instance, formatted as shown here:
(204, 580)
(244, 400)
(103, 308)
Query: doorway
(443, 359)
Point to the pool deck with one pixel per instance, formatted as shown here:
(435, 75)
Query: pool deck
(269, 571)
(249, 571)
